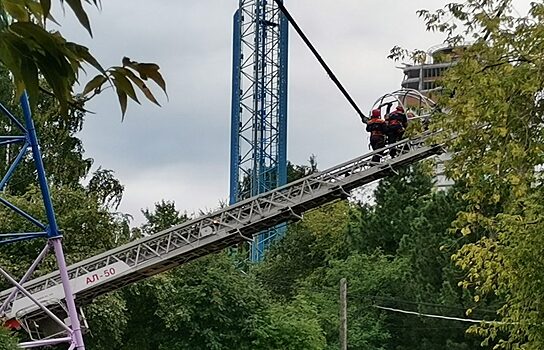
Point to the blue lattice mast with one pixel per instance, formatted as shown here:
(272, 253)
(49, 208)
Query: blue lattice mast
(25, 139)
(259, 106)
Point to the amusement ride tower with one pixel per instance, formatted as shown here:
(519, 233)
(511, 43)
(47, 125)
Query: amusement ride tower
(21, 137)
(258, 161)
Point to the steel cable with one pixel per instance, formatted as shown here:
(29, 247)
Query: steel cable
(331, 74)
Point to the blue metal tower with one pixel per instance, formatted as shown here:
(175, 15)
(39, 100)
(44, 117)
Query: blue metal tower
(22, 137)
(259, 106)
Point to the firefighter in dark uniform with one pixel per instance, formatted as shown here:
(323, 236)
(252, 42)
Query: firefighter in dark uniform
(377, 128)
(396, 126)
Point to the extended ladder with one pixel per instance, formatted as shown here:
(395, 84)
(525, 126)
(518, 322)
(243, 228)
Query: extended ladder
(211, 233)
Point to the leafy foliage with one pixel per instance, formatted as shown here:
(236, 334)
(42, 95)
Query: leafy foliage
(30, 52)
(295, 172)
(308, 245)
(208, 305)
(394, 252)
(493, 99)
(84, 217)
(292, 326)
(62, 151)
(108, 320)
(367, 275)
(107, 189)
(398, 200)
(7, 341)
(164, 215)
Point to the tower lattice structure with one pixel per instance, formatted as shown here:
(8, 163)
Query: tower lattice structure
(259, 107)
(21, 138)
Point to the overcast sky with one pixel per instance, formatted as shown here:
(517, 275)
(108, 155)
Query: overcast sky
(180, 152)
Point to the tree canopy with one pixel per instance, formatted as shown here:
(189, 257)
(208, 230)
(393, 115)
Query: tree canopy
(492, 101)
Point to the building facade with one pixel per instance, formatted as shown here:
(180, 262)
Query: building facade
(425, 78)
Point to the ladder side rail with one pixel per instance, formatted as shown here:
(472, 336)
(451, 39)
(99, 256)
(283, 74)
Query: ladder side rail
(315, 194)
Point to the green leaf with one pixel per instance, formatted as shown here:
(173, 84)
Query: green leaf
(147, 70)
(30, 78)
(12, 55)
(94, 84)
(16, 10)
(23, 36)
(122, 101)
(151, 71)
(141, 85)
(40, 37)
(83, 53)
(59, 83)
(80, 13)
(9, 58)
(36, 10)
(122, 83)
(46, 8)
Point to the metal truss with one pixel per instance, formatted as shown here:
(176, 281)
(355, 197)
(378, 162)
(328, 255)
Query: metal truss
(259, 105)
(20, 139)
(213, 232)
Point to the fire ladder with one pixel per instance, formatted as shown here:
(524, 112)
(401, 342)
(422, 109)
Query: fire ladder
(210, 233)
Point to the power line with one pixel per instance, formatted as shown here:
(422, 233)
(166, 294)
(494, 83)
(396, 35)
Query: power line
(421, 303)
(356, 294)
(469, 320)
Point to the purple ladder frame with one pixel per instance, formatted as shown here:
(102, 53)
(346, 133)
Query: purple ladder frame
(54, 238)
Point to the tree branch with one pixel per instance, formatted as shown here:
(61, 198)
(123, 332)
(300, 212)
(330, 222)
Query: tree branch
(71, 104)
(514, 60)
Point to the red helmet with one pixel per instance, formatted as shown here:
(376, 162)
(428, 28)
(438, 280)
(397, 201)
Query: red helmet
(376, 113)
(400, 108)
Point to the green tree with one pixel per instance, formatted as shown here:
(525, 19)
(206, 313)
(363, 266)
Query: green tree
(398, 199)
(7, 341)
(403, 240)
(367, 275)
(108, 321)
(308, 245)
(62, 151)
(432, 280)
(211, 304)
(295, 172)
(146, 329)
(494, 103)
(106, 188)
(411, 221)
(164, 215)
(290, 325)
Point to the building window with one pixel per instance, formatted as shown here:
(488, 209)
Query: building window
(428, 85)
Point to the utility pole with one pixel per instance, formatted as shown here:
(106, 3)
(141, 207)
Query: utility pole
(343, 314)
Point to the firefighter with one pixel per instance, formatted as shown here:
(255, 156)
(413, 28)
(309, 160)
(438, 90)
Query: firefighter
(396, 125)
(377, 128)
